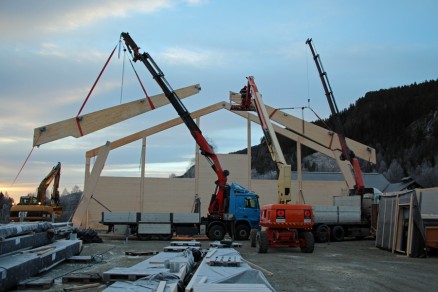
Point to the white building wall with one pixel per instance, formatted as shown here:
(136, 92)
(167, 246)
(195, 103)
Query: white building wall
(122, 194)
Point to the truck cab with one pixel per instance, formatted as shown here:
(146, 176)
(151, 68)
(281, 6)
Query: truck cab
(243, 215)
(244, 204)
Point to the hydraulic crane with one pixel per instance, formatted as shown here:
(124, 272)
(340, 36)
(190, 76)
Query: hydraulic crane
(284, 225)
(222, 217)
(347, 154)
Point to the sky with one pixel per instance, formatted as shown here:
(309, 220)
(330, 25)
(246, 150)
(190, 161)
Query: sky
(52, 52)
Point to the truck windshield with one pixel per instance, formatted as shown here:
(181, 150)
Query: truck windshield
(251, 203)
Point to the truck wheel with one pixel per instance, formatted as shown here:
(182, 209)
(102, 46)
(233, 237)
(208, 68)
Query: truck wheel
(253, 237)
(309, 242)
(144, 236)
(338, 233)
(165, 237)
(322, 233)
(262, 242)
(242, 232)
(216, 232)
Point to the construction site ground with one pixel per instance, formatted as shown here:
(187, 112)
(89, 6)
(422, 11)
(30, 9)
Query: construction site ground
(349, 265)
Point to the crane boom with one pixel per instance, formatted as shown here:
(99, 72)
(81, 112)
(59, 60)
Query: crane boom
(217, 203)
(347, 154)
(284, 170)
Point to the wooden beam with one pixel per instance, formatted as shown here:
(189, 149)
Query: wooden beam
(90, 185)
(158, 128)
(95, 121)
(289, 134)
(322, 136)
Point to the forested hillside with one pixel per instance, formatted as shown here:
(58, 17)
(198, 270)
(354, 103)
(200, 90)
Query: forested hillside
(400, 123)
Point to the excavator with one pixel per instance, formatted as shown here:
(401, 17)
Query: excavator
(283, 224)
(233, 209)
(34, 208)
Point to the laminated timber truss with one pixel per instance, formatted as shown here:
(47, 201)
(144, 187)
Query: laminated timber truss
(300, 131)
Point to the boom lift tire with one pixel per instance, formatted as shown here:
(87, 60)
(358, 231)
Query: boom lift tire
(216, 232)
(253, 237)
(262, 241)
(242, 232)
(322, 233)
(309, 242)
(338, 233)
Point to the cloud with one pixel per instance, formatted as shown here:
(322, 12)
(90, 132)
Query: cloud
(54, 17)
(192, 57)
(71, 53)
(161, 169)
(85, 16)
(196, 2)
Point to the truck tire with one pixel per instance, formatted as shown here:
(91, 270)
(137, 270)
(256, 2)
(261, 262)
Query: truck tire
(165, 237)
(322, 233)
(262, 242)
(242, 232)
(216, 232)
(253, 237)
(338, 233)
(309, 240)
(144, 236)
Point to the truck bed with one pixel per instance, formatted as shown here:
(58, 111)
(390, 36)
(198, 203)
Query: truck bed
(337, 215)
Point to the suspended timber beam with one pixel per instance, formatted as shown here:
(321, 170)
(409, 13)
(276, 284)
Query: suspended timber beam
(95, 121)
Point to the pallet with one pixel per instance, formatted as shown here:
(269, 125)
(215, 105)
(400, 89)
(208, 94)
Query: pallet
(129, 274)
(185, 243)
(176, 248)
(223, 244)
(141, 253)
(80, 259)
(36, 283)
(226, 261)
(82, 278)
(86, 287)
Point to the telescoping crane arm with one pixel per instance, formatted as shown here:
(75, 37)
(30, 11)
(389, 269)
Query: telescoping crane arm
(284, 170)
(217, 204)
(347, 154)
(54, 174)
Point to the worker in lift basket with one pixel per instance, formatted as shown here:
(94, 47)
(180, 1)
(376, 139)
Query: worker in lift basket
(243, 93)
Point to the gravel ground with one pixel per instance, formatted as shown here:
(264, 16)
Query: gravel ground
(338, 266)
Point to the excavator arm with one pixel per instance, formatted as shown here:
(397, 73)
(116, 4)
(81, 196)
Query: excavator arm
(217, 203)
(347, 154)
(54, 174)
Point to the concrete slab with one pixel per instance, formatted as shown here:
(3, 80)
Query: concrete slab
(21, 266)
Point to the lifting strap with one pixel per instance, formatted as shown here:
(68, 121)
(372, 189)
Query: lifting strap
(92, 88)
(25, 161)
(141, 84)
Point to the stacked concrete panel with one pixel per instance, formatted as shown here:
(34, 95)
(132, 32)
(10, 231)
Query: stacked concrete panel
(27, 249)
